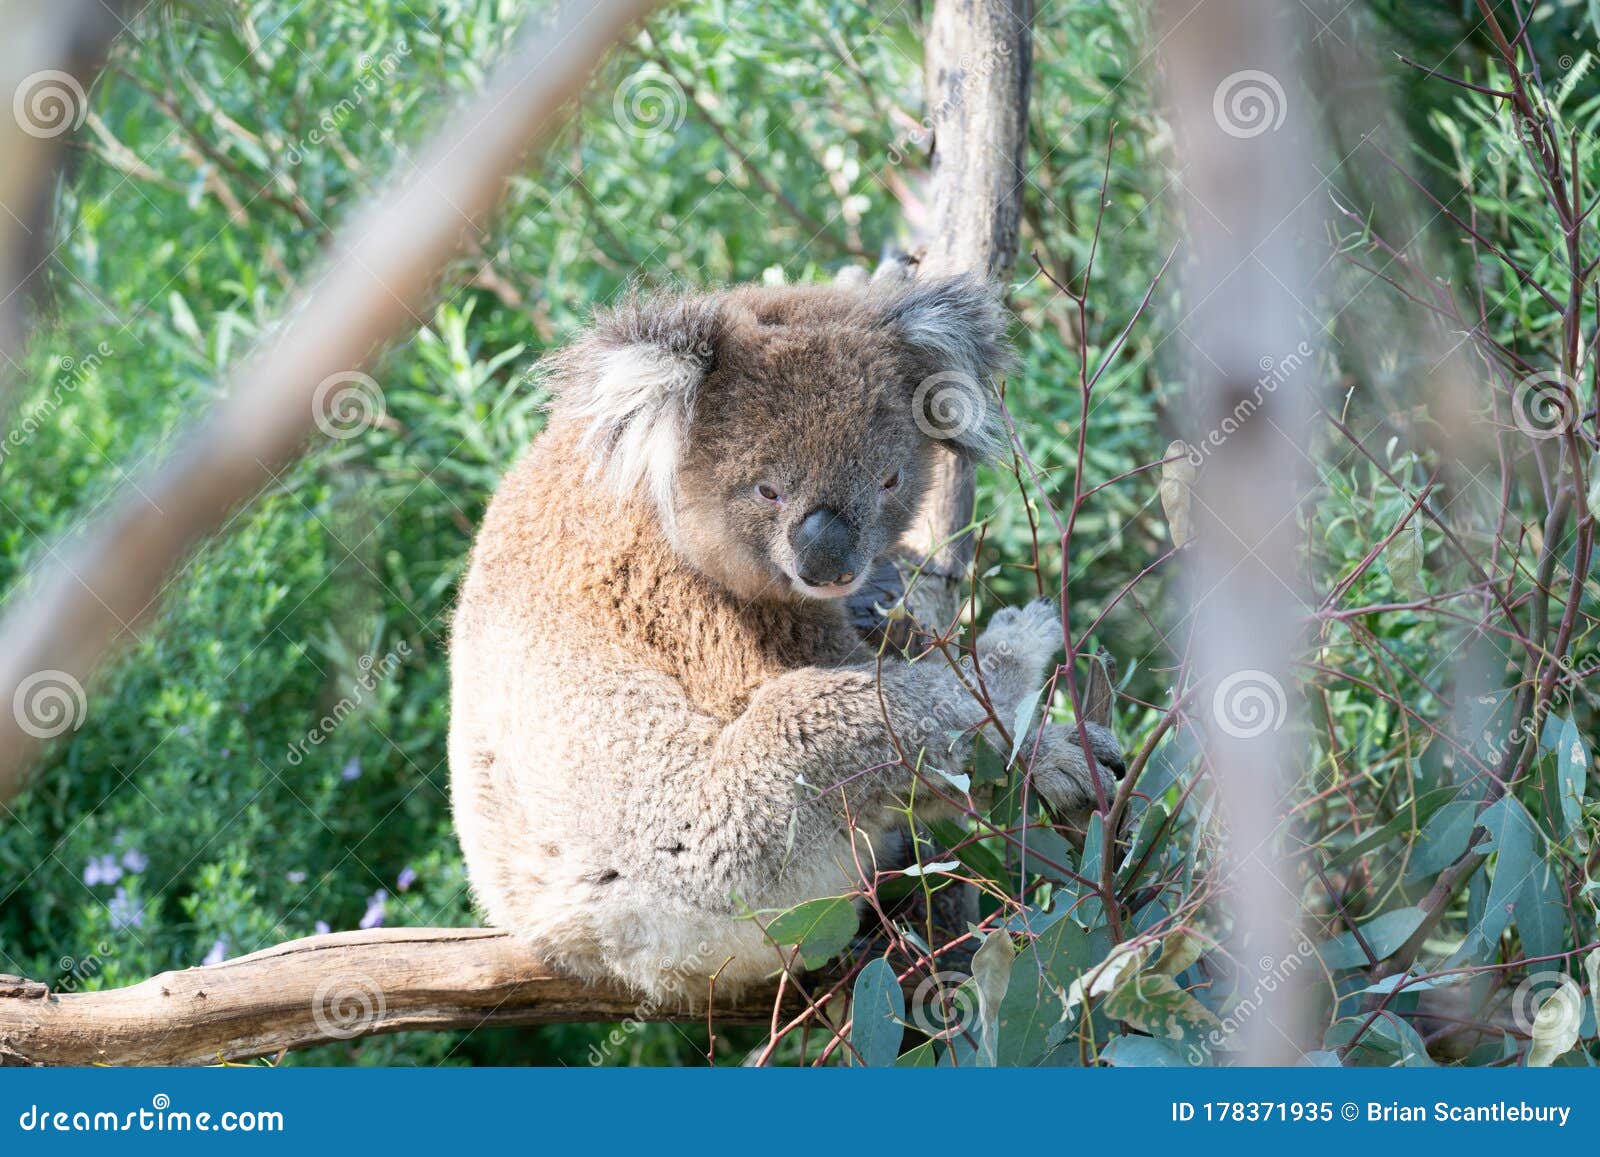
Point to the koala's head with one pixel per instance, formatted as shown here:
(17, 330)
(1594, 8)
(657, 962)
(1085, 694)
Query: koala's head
(785, 435)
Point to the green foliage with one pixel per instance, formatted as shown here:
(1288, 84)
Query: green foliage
(267, 756)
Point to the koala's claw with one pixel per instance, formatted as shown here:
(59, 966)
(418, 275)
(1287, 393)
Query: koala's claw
(1061, 774)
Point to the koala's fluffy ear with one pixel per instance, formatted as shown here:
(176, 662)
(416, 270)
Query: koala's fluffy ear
(631, 383)
(955, 329)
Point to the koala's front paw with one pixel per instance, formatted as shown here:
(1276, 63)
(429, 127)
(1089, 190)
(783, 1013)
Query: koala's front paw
(1061, 774)
(1015, 650)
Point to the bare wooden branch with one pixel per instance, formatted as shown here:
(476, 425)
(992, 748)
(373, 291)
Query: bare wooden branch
(978, 66)
(319, 990)
(100, 585)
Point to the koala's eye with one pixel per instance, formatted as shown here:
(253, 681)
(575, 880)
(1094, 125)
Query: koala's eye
(769, 493)
(892, 481)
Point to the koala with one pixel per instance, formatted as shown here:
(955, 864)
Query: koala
(662, 719)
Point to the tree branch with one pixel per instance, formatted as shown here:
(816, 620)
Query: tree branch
(978, 66)
(319, 990)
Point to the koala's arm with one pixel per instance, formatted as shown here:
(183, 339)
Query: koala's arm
(660, 790)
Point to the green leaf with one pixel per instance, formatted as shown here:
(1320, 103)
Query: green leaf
(1555, 1026)
(921, 1057)
(1524, 884)
(1156, 1004)
(1572, 770)
(1178, 951)
(1383, 935)
(1408, 817)
(822, 928)
(1019, 724)
(1141, 1052)
(1403, 557)
(878, 1013)
(991, 973)
(1444, 838)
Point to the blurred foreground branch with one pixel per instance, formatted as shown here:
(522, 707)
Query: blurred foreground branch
(97, 588)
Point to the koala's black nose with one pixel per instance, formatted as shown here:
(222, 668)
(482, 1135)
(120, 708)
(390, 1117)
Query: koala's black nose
(824, 548)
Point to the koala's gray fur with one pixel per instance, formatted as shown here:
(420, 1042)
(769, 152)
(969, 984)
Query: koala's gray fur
(657, 726)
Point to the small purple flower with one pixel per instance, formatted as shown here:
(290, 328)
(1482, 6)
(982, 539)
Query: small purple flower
(322, 928)
(296, 877)
(352, 770)
(218, 953)
(102, 870)
(135, 860)
(407, 877)
(124, 912)
(375, 909)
